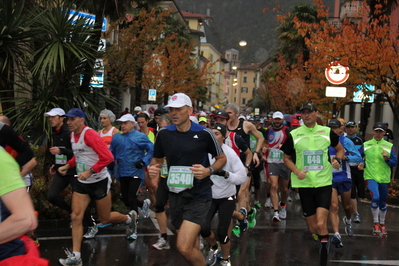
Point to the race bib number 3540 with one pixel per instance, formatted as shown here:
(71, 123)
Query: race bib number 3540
(180, 178)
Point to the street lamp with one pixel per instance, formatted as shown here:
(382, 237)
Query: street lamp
(242, 43)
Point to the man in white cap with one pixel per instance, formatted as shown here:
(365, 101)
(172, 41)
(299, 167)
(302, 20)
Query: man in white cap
(61, 150)
(278, 173)
(186, 145)
(91, 156)
(132, 151)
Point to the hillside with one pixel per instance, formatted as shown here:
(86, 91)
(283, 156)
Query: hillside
(235, 20)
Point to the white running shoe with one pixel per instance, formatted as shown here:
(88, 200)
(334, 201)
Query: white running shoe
(161, 244)
(268, 203)
(91, 232)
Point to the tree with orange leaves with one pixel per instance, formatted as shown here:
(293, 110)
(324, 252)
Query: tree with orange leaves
(369, 47)
(150, 55)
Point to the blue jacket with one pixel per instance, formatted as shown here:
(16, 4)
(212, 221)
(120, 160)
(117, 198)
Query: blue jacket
(353, 155)
(130, 148)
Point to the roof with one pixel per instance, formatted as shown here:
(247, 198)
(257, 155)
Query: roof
(186, 14)
(253, 66)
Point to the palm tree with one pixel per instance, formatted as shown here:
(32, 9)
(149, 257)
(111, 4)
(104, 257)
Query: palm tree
(292, 43)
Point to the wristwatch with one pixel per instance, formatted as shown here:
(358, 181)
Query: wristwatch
(92, 171)
(338, 160)
(212, 170)
(248, 166)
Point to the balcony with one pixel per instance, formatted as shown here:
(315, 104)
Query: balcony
(352, 9)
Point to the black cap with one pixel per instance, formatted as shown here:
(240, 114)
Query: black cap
(379, 126)
(160, 111)
(351, 124)
(308, 105)
(222, 114)
(221, 128)
(334, 123)
(257, 118)
(252, 120)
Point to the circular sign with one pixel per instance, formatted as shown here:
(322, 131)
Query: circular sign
(337, 73)
(151, 110)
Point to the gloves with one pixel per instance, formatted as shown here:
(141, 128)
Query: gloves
(139, 164)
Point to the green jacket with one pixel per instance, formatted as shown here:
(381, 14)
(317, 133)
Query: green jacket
(311, 154)
(376, 167)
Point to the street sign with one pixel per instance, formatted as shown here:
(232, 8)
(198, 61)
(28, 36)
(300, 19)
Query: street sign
(152, 95)
(90, 18)
(359, 95)
(336, 73)
(339, 92)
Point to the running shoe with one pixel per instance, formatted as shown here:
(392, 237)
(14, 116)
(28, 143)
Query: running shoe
(71, 260)
(383, 230)
(251, 218)
(356, 219)
(211, 257)
(146, 208)
(348, 227)
(91, 232)
(225, 262)
(283, 211)
(236, 231)
(244, 222)
(258, 205)
(268, 203)
(315, 237)
(376, 229)
(276, 217)
(161, 244)
(133, 236)
(132, 227)
(336, 241)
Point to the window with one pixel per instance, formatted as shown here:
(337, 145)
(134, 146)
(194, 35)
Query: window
(244, 89)
(243, 101)
(244, 79)
(211, 58)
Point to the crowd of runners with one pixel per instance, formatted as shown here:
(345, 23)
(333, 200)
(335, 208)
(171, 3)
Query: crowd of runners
(199, 164)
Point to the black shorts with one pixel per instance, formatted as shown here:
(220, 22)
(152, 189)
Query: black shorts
(187, 208)
(313, 198)
(96, 191)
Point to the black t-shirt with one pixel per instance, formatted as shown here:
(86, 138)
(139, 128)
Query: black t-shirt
(288, 146)
(188, 148)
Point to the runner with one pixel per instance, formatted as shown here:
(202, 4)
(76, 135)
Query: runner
(380, 156)
(306, 155)
(186, 146)
(91, 156)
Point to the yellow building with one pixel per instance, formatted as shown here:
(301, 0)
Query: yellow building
(209, 49)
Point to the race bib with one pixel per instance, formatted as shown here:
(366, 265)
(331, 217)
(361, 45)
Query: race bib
(80, 165)
(60, 159)
(180, 178)
(313, 160)
(275, 156)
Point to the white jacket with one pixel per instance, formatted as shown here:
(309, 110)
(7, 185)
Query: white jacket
(224, 188)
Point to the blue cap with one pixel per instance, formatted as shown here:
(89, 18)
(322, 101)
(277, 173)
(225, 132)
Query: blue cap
(75, 112)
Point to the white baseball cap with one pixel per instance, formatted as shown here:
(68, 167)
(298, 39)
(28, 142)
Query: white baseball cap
(137, 109)
(126, 117)
(179, 100)
(278, 114)
(55, 111)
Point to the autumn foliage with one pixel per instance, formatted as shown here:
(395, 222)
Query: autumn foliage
(146, 56)
(368, 46)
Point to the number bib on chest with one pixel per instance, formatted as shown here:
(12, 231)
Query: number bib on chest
(80, 165)
(180, 178)
(313, 160)
(275, 156)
